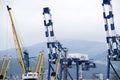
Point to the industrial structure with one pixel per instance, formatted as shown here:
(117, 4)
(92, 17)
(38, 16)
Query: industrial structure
(38, 67)
(24, 61)
(112, 39)
(58, 60)
(3, 68)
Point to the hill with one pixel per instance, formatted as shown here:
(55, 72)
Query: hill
(95, 50)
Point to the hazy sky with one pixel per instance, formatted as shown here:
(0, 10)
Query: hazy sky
(73, 19)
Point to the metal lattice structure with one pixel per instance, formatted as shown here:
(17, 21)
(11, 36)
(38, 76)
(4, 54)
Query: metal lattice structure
(112, 39)
(54, 49)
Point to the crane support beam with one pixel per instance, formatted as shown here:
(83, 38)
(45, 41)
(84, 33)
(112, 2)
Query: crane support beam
(52, 53)
(106, 1)
(17, 44)
(2, 65)
(111, 37)
(40, 64)
(7, 67)
(55, 74)
(37, 64)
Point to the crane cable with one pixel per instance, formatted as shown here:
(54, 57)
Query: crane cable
(19, 34)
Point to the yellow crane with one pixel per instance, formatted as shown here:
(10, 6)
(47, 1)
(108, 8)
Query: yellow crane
(38, 67)
(7, 67)
(4, 69)
(55, 74)
(2, 65)
(17, 44)
(24, 61)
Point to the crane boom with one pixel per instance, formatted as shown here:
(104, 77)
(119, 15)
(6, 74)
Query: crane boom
(7, 67)
(37, 64)
(40, 64)
(2, 65)
(39, 61)
(17, 44)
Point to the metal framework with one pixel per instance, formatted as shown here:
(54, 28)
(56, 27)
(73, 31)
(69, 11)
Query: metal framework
(7, 67)
(24, 59)
(112, 39)
(17, 44)
(54, 49)
(38, 67)
(4, 69)
(2, 65)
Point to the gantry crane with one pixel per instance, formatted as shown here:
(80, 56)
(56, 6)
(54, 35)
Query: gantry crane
(54, 57)
(112, 39)
(53, 45)
(24, 61)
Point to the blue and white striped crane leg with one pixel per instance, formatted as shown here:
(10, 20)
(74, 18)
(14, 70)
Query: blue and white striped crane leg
(49, 34)
(52, 52)
(113, 33)
(107, 40)
(110, 34)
